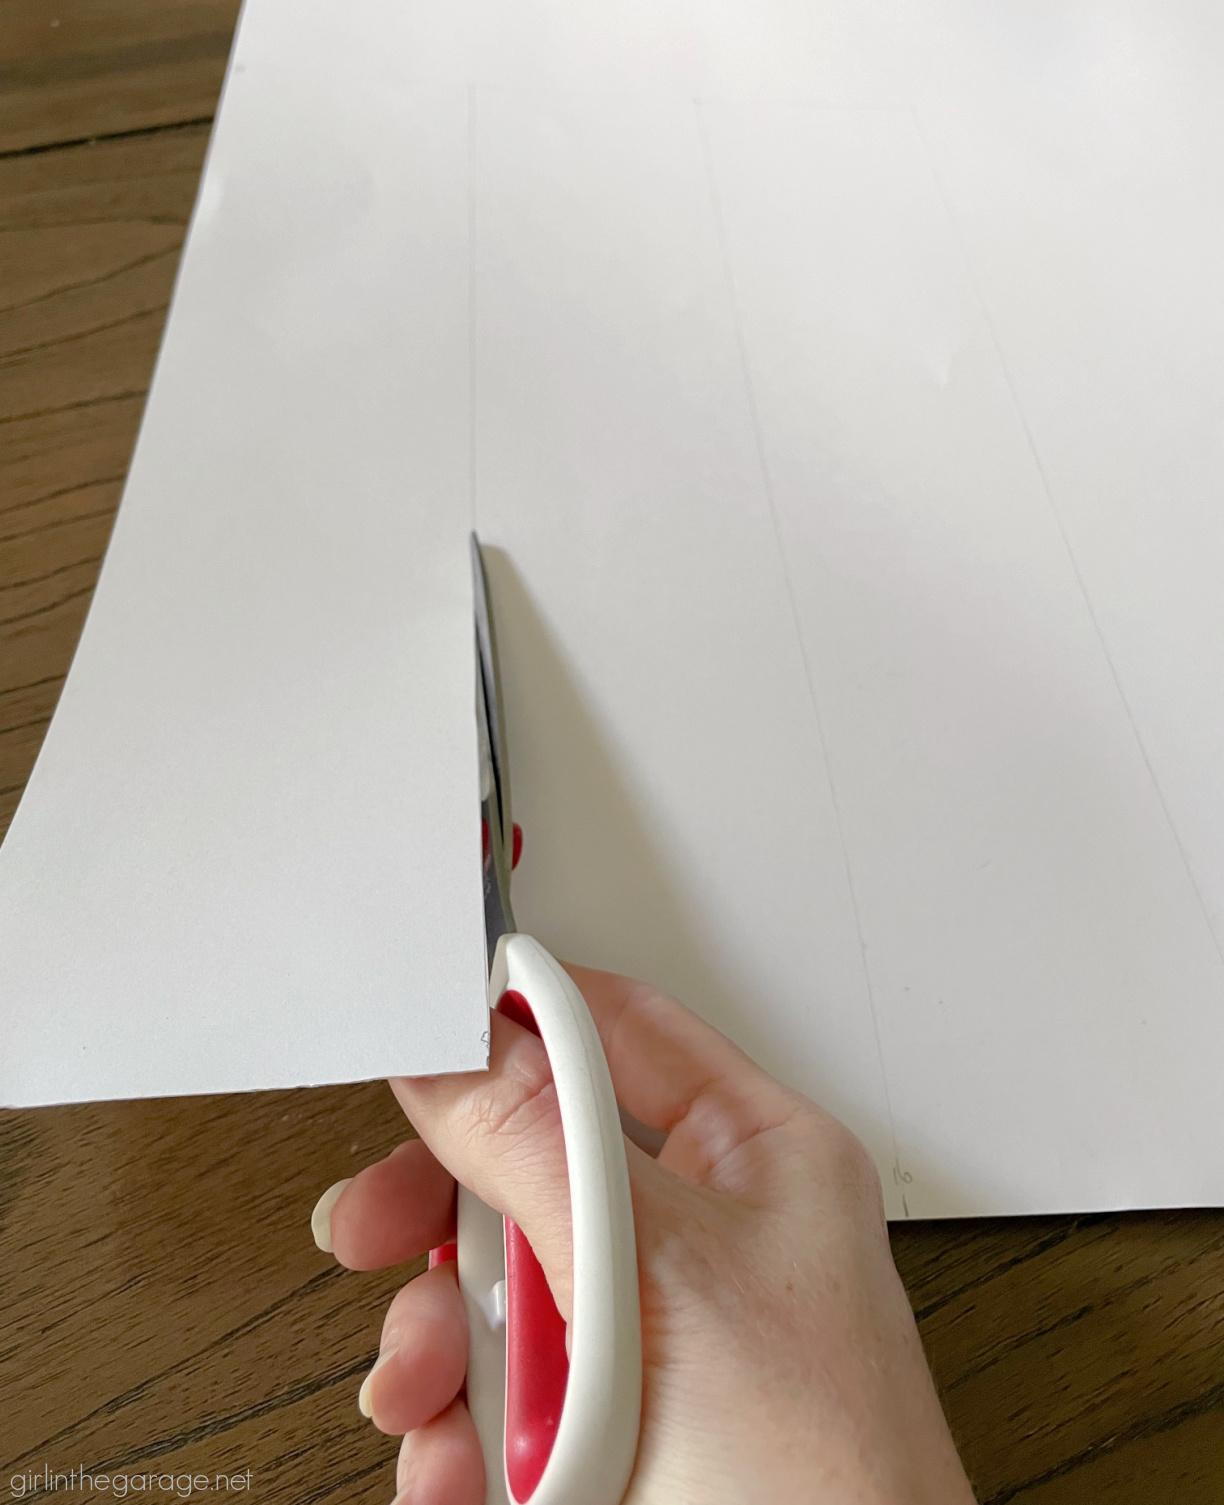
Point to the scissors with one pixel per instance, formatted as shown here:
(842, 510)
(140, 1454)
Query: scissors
(555, 1429)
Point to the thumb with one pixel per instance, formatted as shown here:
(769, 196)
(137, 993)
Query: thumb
(499, 1134)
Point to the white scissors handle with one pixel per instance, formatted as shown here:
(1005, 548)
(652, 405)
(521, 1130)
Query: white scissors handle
(596, 1439)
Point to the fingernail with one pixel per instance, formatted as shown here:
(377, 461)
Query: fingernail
(363, 1395)
(320, 1218)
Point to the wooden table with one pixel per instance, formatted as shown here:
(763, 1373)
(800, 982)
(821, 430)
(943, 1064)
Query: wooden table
(162, 1306)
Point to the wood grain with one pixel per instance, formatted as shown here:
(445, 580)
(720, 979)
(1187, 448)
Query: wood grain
(162, 1307)
(76, 69)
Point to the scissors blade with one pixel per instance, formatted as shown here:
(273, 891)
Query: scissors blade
(490, 683)
(495, 773)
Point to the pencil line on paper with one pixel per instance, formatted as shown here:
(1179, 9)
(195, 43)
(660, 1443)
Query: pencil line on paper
(1056, 513)
(768, 488)
(471, 237)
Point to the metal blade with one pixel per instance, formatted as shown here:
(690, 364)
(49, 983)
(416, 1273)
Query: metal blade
(490, 684)
(494, 770)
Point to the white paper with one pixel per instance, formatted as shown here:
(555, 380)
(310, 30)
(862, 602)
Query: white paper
(839, 390)
(249, 852)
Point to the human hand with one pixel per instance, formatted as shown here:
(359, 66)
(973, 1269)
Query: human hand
(781, 1361)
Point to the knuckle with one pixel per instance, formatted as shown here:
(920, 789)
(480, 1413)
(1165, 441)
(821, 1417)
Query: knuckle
(842, 1159)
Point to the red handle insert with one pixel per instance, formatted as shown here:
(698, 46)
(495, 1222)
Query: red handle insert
(537, 1365)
